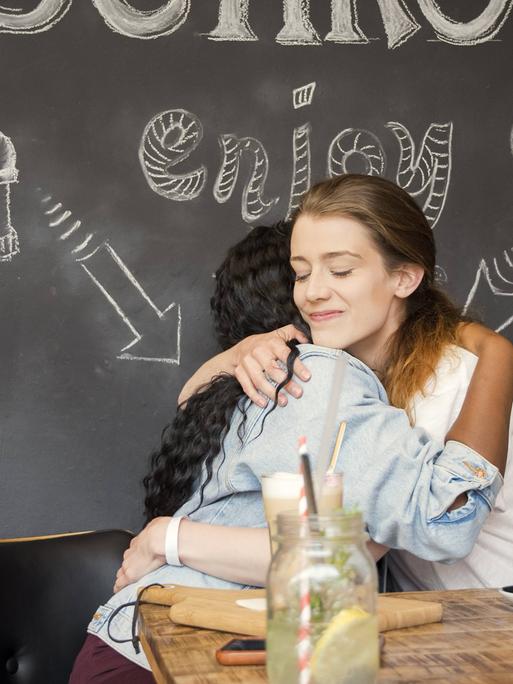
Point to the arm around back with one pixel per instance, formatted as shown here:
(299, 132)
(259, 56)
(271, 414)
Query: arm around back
(402, 481)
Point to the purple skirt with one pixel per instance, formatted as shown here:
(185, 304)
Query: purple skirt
(98, 662)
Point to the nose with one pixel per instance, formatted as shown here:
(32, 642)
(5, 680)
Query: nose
(317, 287)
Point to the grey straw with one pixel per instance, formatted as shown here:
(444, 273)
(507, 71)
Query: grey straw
(309, 488)
(323, 457)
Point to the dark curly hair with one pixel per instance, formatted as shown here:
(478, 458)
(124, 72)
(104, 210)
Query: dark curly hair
(253, 295)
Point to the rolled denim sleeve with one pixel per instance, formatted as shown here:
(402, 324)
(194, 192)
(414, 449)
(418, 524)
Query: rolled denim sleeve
(404, 482)
(459, 466)
(420, 521)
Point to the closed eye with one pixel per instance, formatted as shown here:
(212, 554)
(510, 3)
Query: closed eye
(342, 274)
(301, 277)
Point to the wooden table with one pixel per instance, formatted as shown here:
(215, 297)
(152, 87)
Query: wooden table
(473, 645)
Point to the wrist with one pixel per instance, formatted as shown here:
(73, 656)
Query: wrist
(233, 356)
(157, 537)
(171, 541)
(184, 541)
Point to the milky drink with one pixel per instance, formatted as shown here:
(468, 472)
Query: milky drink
(281, 491)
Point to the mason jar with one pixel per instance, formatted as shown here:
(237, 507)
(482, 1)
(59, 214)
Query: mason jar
(321, 602)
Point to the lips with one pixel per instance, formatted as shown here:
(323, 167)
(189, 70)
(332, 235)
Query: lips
(321, 316)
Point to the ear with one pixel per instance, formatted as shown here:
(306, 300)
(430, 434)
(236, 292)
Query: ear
(409, 278)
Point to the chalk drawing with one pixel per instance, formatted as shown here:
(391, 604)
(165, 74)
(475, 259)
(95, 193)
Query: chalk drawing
(253, 206)
(233, 22)
(297, 29)
(67, 233)
(479, 30)
(303, 96)
(41, 18)
(356, 143)
(83, 244)
(494, 280)
(152, 328)
(441, 275)
(301, 176)
(122, 18)
(57, 222)
(398, 21)
(169, 320)
(9, 243)
(233, 25)
(58, 217)
(344, 23)
(54, 208)
(431, 171)
(169, 138)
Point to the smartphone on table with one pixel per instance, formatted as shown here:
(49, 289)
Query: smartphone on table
(242, 652)
(507, 592)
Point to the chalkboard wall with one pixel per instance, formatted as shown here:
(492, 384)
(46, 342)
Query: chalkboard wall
(141, 139)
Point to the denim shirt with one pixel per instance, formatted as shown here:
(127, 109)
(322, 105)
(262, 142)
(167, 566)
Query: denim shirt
(400, 479)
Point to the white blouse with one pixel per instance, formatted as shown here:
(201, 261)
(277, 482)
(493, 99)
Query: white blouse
(490, 563)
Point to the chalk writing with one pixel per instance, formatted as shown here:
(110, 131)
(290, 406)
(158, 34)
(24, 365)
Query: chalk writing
(302, 166)
(253, 205)
(398, 21)
(233, 22)
(482, 28)
(9, 243)
(297, 28)
(427, 174)
(41, 18)
(303, 96)
(158, 152)
(358, 143)
(233, 25)
(121, 17)
(431, 171)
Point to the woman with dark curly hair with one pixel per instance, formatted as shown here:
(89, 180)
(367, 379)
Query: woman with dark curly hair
(253, 294)
(255, 268)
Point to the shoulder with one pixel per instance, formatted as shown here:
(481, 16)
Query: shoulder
(312, 355)
(454, 370)
(357, 379)
(436, 408)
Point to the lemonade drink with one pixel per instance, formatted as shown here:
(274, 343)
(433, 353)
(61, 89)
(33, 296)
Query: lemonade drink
(344, 651)
(326, 558)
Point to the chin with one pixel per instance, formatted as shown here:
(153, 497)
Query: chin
(330, 340)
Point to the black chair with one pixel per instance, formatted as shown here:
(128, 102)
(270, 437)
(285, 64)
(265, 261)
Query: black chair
(49, 590)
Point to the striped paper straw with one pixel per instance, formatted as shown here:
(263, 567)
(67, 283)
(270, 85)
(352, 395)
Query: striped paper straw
(304, 646)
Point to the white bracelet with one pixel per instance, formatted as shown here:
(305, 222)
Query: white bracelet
(171, 543)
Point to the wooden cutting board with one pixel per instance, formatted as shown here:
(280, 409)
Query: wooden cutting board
(174, 593)
(396, 613)
(217, 609)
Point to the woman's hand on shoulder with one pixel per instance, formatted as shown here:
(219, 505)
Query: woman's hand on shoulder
(145, 553)
(257, 360)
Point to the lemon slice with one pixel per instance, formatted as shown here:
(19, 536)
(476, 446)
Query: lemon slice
(347, 651)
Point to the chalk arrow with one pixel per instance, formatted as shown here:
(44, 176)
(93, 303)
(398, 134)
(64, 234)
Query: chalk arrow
(492, 309)
(156, 333)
